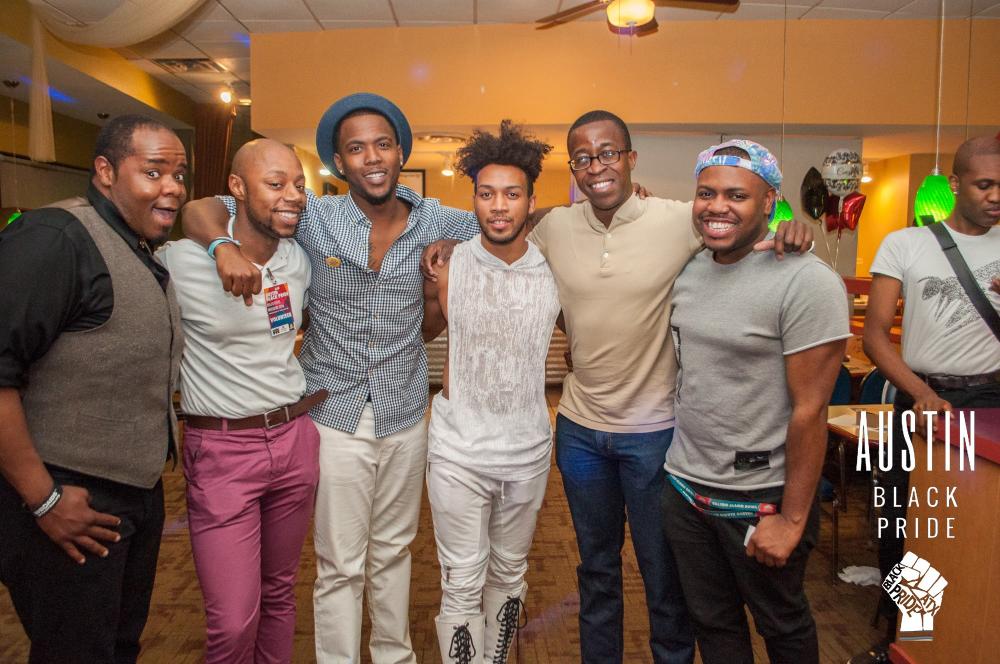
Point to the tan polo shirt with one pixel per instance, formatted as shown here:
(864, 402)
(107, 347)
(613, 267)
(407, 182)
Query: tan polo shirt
(614, 286)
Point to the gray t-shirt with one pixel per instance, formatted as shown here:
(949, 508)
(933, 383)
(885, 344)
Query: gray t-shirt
(733, 325)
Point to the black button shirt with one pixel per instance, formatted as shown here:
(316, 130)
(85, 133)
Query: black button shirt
(53, 279)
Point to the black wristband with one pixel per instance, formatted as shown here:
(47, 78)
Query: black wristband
(49, 503)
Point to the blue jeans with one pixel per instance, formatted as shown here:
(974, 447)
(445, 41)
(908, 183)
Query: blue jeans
(606, 475)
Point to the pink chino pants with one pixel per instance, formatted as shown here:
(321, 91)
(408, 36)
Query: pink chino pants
(250, 496)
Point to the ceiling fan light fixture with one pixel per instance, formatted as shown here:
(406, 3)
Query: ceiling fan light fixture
(630, 13)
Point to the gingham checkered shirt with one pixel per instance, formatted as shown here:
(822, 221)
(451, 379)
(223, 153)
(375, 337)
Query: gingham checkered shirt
(364, 337)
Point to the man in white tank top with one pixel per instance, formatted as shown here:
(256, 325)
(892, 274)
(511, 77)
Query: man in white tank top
(490, 440)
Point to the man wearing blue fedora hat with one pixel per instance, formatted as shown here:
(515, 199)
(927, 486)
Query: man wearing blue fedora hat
(364, 347)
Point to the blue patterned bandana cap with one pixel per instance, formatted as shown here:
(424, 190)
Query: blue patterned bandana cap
(761, 161)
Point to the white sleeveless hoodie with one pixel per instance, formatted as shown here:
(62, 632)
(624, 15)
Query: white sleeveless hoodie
(500, 321)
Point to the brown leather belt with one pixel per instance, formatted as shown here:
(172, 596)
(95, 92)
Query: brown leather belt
(268, 420)
(946, 382)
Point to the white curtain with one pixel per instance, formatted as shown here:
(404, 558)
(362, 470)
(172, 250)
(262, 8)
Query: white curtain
(41, 144)
(131, 22)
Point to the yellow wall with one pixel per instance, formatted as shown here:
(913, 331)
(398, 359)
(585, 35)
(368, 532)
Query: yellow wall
(886, 207)
(101, 64)
(840, 73)
(311, 165)
(551, 188)
(74, 138)
(889, 203)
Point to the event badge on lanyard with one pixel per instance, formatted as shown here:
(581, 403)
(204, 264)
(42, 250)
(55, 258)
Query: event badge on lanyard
(279, 306)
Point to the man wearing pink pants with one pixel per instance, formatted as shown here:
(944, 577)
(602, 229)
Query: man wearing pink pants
(251, 453)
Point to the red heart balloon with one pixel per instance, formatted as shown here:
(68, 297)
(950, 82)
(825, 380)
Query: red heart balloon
(850, 215)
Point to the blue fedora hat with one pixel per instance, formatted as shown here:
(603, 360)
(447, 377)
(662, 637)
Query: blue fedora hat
(357, 102)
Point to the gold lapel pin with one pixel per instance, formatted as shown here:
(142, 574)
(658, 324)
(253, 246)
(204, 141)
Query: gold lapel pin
(332, 261)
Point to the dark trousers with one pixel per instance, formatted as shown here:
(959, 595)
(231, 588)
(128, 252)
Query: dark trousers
(606, 475)
(719, 579)
(890, 547)
(92, 613)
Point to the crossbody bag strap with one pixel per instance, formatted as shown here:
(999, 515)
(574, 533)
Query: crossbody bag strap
(958, 264)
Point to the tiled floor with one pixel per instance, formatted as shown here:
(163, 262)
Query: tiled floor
(175, 631)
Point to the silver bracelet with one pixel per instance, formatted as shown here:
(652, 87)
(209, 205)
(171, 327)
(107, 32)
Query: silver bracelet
(49, 503)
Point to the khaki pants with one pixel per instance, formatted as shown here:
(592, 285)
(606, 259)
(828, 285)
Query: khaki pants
(367, 507)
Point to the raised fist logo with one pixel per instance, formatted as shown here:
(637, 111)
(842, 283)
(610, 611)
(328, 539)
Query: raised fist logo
(917, 589)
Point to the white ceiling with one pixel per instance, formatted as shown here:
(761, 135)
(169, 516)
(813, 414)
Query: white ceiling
(220, 29)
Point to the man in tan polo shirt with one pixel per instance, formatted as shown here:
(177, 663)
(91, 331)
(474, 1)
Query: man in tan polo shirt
(615, 257)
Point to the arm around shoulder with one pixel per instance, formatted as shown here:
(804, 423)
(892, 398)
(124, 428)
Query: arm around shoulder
(204, 219)
(435, 305)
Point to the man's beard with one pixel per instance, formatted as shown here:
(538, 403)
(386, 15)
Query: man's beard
(375, 200)
(262, 227)
(510, 238)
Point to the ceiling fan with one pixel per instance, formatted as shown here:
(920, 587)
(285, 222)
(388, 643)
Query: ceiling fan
(632, 17)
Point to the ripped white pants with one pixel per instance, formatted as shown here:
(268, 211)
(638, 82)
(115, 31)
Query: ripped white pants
(483, 528)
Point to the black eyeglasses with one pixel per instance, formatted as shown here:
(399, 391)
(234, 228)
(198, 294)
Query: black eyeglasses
(606, 157)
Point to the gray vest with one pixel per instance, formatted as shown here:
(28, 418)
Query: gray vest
(100, 401)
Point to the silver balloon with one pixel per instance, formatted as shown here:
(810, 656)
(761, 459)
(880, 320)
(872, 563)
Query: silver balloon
(842, 172)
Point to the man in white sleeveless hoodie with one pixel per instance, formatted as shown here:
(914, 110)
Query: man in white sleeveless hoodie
(490, 439)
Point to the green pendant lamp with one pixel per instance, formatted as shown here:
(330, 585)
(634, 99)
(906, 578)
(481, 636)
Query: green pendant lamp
(934, 200)
(782, 212)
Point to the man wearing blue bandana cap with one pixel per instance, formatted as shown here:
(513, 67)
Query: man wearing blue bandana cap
(758, 343)
(364, 347)
(615, 257)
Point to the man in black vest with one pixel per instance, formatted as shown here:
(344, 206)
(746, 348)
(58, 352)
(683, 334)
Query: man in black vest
(90, 345)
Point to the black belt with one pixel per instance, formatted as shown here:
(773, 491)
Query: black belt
(268, 420)
(946, 382)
